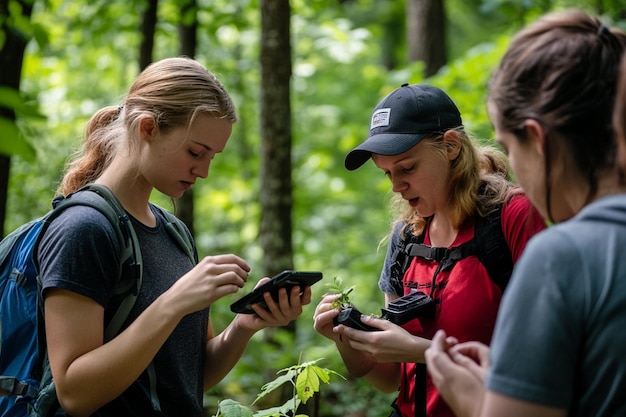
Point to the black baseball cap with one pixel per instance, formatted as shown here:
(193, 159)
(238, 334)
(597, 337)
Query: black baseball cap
(402, 119)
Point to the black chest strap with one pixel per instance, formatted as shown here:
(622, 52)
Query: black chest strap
(447, 257)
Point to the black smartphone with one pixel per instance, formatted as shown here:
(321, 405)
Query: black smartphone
(286, 279)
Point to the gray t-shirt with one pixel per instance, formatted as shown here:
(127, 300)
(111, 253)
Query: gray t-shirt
(560, 337)
(80, 253)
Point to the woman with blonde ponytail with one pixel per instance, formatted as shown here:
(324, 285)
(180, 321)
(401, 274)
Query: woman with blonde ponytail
(174, 120)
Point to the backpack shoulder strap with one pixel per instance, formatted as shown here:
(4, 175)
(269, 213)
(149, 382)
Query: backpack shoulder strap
(102, 199)
(179, 232)
(493, 250)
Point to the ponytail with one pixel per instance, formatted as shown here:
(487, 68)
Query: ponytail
(102, 137)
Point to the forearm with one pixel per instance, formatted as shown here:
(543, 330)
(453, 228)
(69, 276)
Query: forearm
(97, 377)
(223, 351)
(413, 350)
(357, 363)
(382, 376)
(385, 377)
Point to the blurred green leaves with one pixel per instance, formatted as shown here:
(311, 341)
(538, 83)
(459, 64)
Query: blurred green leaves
(12, 140)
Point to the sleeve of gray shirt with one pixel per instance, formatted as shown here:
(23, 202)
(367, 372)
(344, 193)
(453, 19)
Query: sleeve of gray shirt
(80, 252)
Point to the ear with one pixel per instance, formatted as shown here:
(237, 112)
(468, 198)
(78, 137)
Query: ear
(452, 143)
(147, 129)
(535, 134)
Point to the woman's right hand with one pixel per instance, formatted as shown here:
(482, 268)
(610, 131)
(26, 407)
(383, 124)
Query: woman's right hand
(323, 317)
(211, 279)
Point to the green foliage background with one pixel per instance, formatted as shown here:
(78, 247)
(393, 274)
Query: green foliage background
(83, 56)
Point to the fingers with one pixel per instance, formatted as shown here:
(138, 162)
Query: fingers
(479, 352)
(211, 279)
(377, 322)
(283, 309)
(225, 259)
(437, 358)
(455, 378)
(326, 304)
(227, 265)
(324, 315)
(474, 356)
(439, 343)
(262, 281)
(445, 357)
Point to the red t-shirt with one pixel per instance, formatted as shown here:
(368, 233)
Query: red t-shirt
(466, 298)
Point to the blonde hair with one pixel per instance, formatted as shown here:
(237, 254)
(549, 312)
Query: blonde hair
(493, 161)
(172, 91)
(479, 182)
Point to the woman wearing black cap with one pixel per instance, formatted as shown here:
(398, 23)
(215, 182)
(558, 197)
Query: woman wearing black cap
(559, 342)
(451, 210)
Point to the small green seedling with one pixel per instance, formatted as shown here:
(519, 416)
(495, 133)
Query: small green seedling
(337, 287)
(305, 379)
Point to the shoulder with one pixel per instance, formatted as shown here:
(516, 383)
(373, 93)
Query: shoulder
(554, 242)
(81, 220)
(546, 267)
(520, 221)
(518, 208)
(388, 281)
(78, 229)
(398, 232)
(609, 209)
(517, 203)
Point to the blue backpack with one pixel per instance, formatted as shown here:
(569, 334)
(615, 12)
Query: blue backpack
(26, 386)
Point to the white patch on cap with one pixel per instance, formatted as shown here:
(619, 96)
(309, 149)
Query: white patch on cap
(380, 118)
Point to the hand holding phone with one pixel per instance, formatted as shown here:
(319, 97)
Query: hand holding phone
(286, 279)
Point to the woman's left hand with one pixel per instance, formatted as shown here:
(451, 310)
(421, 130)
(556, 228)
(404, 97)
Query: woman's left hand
(278, 312)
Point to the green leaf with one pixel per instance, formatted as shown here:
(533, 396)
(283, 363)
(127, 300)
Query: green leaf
(272, 385)
(12, 142)
(288, 408)
(231, 408)
(12, 99)
(307, 383)
(322, 373)
(337, 287)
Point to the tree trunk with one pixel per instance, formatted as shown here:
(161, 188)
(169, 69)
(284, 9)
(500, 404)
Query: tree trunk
(11, 58)
(5, 166)
(276, 188)
(188, 35)
(426, 34)
(148, 29)
(188, 28)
